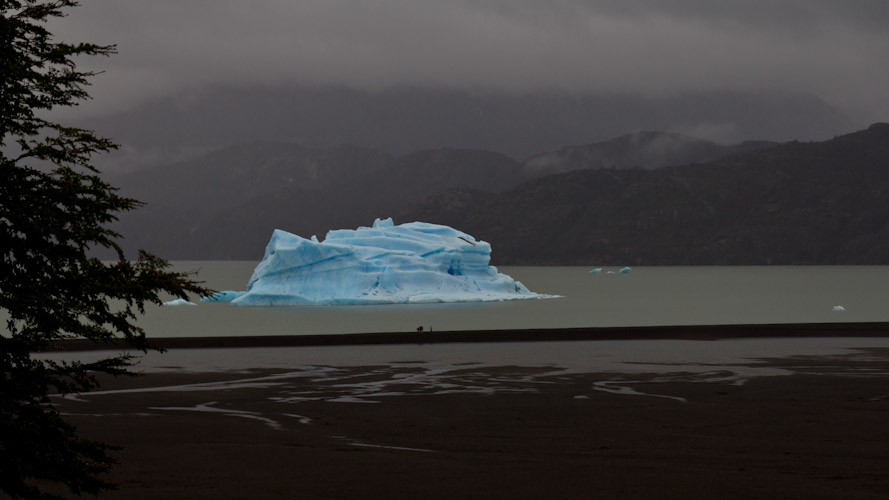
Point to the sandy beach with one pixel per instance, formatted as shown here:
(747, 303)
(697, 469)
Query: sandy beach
(807, 426)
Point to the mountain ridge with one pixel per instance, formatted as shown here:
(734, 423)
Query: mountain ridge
(675, 210)
(644, 149)
(794, 203)
(401, 120)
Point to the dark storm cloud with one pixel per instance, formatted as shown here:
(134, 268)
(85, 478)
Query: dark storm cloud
(836, 50)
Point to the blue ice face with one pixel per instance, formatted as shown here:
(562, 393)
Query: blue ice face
(383, 264)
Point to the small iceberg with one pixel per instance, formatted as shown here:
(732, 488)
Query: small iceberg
(223, 296)
(179, 302)
(839, 308)
(416, 262)
(597, 270)
(625, 270)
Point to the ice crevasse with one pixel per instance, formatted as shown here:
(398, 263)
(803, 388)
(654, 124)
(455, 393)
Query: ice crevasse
(416, 262)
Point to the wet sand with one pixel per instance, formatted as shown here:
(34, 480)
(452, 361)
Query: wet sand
(403, 430)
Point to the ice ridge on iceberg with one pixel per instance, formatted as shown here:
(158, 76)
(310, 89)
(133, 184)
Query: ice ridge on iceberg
(416, 262)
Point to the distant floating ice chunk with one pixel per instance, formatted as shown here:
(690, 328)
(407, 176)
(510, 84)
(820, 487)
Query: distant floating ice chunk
(415, 262)
(179, 302)
(625, 270)
(224, 296)
(839, 308)
(596, 270)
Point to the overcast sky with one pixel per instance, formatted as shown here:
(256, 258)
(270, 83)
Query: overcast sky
(837, 50)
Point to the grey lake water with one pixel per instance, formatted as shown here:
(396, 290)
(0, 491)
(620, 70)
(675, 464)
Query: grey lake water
(646, 296)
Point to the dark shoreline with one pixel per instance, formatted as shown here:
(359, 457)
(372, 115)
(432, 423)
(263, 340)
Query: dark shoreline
(678, 332)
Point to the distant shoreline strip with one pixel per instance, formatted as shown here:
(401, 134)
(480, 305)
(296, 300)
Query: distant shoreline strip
(683, 332)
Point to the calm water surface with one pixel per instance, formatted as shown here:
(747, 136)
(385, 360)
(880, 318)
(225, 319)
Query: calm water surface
(646, 296)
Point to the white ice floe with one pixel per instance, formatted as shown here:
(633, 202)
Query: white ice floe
(179, 302)
(226, 296)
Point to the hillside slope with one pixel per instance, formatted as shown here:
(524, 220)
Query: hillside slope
(795, 203)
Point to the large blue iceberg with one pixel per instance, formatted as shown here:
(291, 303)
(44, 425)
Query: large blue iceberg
(415, 262)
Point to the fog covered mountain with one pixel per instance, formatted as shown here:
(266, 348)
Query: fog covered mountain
(402, 120)
(646, 150)
(224, 205)
(793, 203)
(770, 205)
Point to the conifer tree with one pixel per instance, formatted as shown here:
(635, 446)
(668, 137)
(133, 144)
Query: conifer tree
(54, 209)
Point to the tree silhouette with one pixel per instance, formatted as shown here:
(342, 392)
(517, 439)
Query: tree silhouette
(55, 208)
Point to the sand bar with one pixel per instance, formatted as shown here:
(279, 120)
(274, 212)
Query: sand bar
(692, 332)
